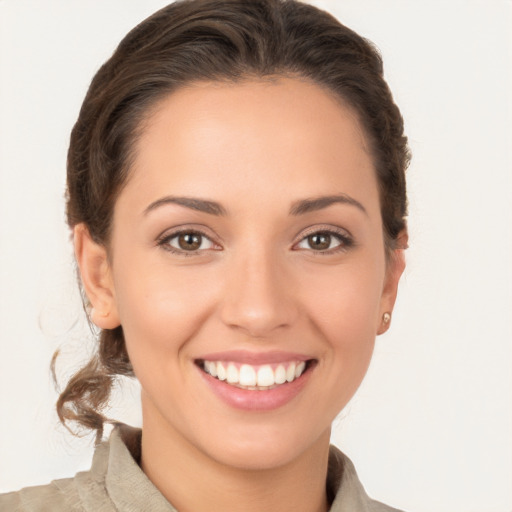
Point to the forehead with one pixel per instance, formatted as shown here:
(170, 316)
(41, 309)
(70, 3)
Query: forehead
(287, 134)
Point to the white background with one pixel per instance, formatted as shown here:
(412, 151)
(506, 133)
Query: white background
(431, 427)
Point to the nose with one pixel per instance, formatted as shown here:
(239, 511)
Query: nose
(258, 296)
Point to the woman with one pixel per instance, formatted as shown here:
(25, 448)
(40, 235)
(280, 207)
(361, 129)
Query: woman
(236, 191)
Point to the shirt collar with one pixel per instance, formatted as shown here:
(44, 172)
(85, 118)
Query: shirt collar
(130, 489)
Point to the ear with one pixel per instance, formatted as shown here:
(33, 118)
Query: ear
(394, 270)
(96, 275)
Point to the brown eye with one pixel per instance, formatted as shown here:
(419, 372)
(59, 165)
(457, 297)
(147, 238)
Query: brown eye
(326, 242)
(189, 241)
(319, 241)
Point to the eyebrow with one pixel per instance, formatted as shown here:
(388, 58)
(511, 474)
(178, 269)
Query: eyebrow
(318, 203)
(298, 207)
(201, 205)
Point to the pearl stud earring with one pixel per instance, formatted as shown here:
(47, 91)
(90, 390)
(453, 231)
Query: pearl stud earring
(386, 317)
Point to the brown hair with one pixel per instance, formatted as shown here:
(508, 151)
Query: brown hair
(209, 40)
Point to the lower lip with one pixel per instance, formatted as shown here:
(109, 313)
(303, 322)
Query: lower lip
(255, 400)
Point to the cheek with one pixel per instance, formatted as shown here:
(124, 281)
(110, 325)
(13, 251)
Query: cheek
(344, 305)
(159, 309)
(160, 313)
(355, 289)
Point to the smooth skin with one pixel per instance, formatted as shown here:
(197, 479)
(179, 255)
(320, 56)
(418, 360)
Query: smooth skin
(248, 273)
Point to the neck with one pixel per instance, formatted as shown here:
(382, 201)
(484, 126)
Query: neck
(191, 480)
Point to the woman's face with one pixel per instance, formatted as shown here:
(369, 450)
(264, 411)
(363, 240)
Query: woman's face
(247, 249)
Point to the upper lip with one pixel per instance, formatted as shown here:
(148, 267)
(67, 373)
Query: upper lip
(255, 358)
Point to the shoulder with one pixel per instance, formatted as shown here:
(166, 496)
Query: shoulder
(346, 489)
(85, 492)
(377, 506)
(114, 482)
(58, 496)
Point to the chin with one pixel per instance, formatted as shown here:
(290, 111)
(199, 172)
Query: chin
(266, 449)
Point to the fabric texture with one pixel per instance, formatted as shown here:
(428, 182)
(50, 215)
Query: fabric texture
(115, 483)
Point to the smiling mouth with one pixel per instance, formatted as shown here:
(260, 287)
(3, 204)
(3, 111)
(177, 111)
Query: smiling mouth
(255, 377)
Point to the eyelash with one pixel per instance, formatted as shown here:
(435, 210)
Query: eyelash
(164, 241)
(345, 241)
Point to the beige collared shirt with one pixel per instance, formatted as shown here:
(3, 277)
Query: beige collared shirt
(115, 483)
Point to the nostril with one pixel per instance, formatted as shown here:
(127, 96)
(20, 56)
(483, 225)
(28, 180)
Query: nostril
(258, 320)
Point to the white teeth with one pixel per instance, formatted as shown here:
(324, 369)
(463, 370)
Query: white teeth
(280, 377)
(265, 376)
(211, 368)
(221, 371)
(247, 375)
(255, 378)
(290, 373)
(232, 374)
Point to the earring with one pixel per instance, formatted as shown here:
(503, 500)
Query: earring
(386, 317)
(93, 313)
